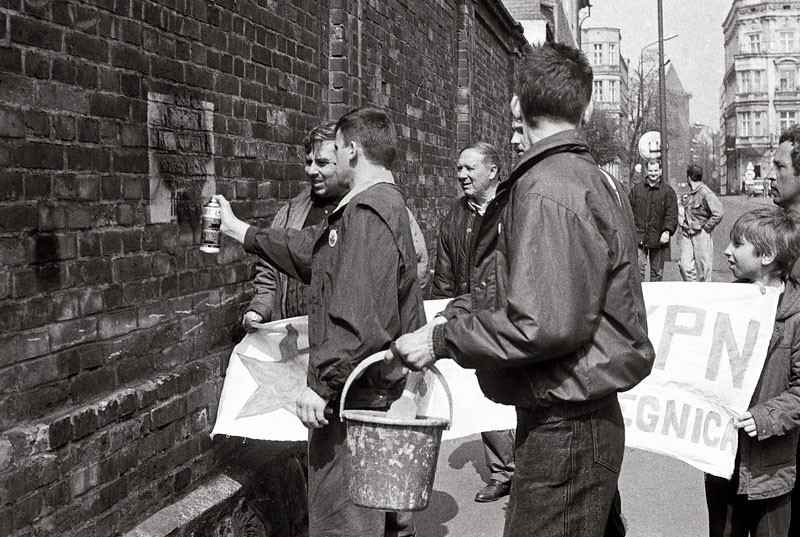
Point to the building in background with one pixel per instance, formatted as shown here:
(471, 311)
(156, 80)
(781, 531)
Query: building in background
(759, 96)
(703, 152)
(679, 129)
(610, 94)
(549, 20)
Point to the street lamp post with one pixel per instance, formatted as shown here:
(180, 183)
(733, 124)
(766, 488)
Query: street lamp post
(660, 42)
(662, 94)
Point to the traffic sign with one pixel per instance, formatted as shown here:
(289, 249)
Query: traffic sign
(749, 175)
(650, 145)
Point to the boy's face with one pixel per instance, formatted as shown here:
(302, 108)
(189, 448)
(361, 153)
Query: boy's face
(743, 261)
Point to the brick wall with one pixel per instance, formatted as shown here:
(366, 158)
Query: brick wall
(117, 119)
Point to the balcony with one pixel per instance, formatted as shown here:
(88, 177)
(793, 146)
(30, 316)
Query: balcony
(787, 95)
(751, 96)
(751, 141)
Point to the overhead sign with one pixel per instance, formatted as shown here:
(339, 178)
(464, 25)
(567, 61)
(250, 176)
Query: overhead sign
(749, 175)
(650, 145)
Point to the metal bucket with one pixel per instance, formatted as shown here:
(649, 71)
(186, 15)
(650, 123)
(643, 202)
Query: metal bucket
(391, 463)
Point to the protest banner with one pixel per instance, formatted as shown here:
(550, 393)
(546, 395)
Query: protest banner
(711, 341)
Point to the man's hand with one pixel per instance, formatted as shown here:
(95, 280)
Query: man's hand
(415, 350)
(249, 318)
(229, 224)
(311, 409)
(664, 237)
(745, 421)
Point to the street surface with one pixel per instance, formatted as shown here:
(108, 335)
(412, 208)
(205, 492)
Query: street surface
(661, 496)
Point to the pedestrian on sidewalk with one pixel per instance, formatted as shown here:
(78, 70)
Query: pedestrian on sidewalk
(655, 213)
(702, 212)
(365, 293)
(555, 323)
(756, 501)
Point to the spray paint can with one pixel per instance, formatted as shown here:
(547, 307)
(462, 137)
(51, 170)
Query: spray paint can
(210, 231)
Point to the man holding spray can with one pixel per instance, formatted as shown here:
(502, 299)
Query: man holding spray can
(361, 265)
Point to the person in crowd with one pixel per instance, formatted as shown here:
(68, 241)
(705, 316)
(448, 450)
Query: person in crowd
(361, 265)
(479, 167)
(555, 322)
(784, 183)
(702, 212)
(655, 212)
(756, 501)
(276, 295)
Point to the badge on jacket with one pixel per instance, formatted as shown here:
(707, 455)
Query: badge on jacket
(332, 238)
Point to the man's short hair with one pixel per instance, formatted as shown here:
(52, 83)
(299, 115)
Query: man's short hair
(373, 130)
(694, 172)
(771, 231)
(324, 132)
(653, 163)
(492, 156)
(555, 83)
(792, 134)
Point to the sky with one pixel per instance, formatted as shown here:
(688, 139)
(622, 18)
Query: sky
(697, 53)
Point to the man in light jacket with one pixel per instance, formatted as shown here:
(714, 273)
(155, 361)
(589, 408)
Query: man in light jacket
(702, 212)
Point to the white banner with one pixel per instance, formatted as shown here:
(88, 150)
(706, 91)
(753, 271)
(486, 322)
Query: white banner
(711, 341)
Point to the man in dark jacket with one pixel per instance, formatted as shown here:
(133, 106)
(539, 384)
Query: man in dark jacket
(361, 265)
(655, 211)
(478, 174)
(555, 322)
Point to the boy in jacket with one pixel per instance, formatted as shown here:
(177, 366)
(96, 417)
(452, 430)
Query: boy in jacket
(756, 501)
(362, 268)
(555, 322)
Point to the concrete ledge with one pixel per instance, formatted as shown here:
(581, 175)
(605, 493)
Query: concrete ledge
(214, 495)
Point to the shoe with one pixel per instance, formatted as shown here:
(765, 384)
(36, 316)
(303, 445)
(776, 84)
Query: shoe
(493, 491)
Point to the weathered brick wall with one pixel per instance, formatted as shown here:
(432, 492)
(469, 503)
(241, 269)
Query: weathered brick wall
(117, 119)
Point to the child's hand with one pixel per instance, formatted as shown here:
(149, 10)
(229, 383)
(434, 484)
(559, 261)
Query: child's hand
(745, 421)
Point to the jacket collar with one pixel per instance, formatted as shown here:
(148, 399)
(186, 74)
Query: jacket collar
(569, 140)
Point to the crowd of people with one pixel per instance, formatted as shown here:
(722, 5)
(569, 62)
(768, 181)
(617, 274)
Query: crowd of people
(544, 266)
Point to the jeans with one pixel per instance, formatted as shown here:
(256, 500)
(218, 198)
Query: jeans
(733, 515)
(566, 474)
(697, 255)
(656, 256)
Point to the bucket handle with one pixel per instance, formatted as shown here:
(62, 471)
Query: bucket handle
(378, 357)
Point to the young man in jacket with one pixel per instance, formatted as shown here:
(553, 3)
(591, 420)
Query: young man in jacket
(702, 212)
(479, 168)
(655, 212)
(555, 322)
(276, 295)
(361, 265)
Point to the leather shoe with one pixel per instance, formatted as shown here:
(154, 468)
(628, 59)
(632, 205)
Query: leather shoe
(493, 491)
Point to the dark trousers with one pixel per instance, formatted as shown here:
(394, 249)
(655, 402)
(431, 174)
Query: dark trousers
(331, 512)
(566, 474)
(498, 446)
(733, 515)
(656, 256)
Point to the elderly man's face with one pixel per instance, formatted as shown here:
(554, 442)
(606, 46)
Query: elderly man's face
(320, 170)
(474, 174)
(784, 184)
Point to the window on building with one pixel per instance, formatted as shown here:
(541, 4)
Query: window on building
(786, 79)
(751, 81)
(598, 90)
(757, 82)
(787, 119)
(754, 43)
(612, 54)
(758, 124)
(744, 124)
(613, 91)
(786, 41)
(743, 81)
(597, 54)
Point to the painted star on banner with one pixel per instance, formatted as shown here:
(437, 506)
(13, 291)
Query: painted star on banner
(279, 383)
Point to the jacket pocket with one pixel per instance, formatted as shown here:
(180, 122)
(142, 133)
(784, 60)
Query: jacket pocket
(775, 451)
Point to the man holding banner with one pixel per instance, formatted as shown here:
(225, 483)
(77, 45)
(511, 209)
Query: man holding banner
(362, 268)
(555, 322)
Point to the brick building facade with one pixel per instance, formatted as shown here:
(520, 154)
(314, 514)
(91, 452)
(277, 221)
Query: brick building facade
(117, 119)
